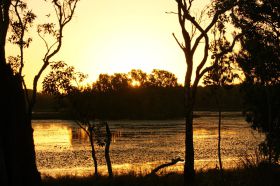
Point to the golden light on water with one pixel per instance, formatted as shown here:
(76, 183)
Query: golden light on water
(49, 135)
(139, 146)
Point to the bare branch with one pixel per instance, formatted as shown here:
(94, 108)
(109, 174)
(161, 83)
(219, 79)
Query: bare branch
(181, 45)
(205, 56)
(173, 162)
(62, 21)
(20, 35)
(46, 43)
(26, 92)
(199, 21)
(190, 4)
(182, 19)
(206, 30)
(218, 57)
(53, 45)
(82, 127)
(171, 12)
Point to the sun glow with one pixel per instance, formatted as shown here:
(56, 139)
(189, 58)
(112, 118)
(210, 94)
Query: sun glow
(113, 37)
(124, 52)
(135, 83)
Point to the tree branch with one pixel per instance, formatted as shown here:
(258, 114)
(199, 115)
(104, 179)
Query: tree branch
(218, 57)
(60, 12)
(82, 127)
(181, 45)
(173, 162)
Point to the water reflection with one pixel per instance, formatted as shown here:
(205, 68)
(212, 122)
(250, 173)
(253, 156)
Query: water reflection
(52, 136)
(63, 148)
(79, 135)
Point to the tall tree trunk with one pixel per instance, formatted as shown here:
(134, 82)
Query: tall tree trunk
(219, 126)
(33, 177)
(18, 144)
(219, 139)
(269, 118)
(3, 175)
(189, 172)
(107, 151)
(17, 153)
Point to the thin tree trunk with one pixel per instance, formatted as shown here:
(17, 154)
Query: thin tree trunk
(107, 151)
(189, 172)
(219, 139)
(93, 155)
(219, 128)
(189, 150)
(268, 98)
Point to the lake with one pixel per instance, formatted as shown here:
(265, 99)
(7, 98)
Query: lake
(63, 148)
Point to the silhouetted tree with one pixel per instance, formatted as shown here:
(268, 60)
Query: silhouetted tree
(139, 77)
(19, 165)
(120, 82)
(107, 141)
(221, 75)
(17, 146)
(64, 82)
(162, 78)
(116, 97)
(103, 84)
(260, 62)
(194, 34)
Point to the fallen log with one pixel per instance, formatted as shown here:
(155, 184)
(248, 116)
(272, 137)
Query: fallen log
(173, 162)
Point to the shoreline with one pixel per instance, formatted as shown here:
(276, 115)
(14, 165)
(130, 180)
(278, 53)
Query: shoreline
(42, 115)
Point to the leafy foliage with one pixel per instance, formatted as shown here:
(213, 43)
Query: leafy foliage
(260, 61)
(260, 54)
(62, 79)
(21, 22)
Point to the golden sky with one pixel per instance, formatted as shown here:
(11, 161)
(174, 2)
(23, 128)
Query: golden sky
(107, 36)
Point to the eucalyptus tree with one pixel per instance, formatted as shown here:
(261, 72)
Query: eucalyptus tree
(63, 81)
(17, 145)
(6, 80)
(195, 34)
(138, 77)
(222, 75)
(162, 78)
(260, 62)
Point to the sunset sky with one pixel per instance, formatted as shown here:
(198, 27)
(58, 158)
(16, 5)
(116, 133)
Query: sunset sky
(107, 36)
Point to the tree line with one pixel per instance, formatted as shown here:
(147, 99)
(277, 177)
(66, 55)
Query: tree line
(136, 95)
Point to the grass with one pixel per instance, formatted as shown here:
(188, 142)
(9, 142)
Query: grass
(261, 175)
